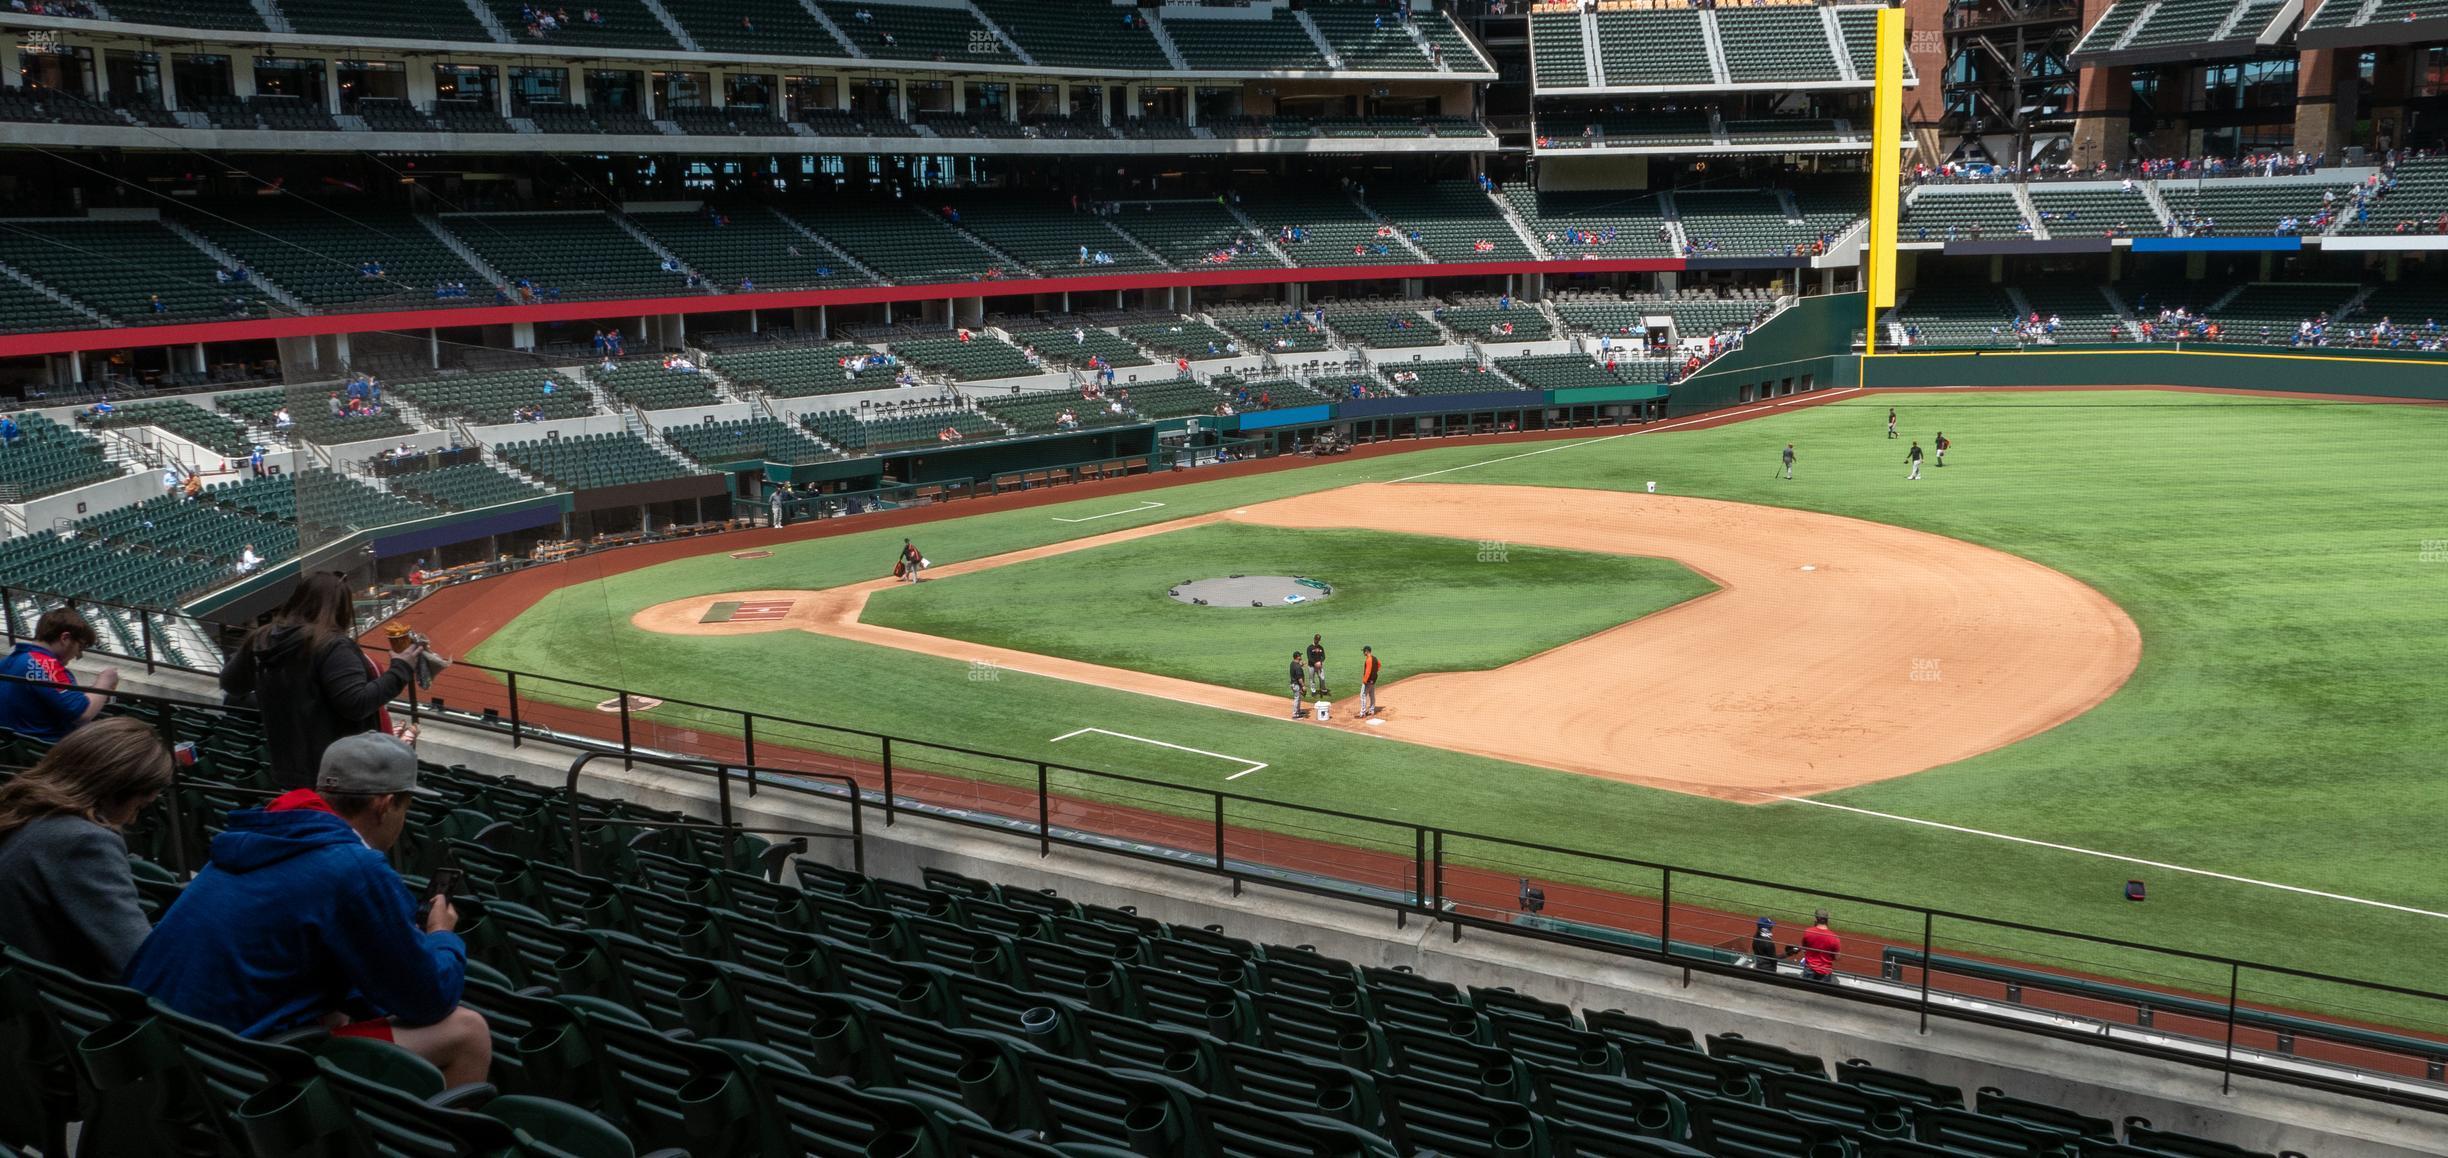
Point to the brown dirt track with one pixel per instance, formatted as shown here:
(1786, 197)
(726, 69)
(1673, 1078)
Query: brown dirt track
(1836, 652)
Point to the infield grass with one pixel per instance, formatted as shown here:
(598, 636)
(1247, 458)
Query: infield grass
(1399, 594)
(2283, 724)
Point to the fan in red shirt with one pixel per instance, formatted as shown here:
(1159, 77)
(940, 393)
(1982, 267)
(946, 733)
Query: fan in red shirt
(1820, 945)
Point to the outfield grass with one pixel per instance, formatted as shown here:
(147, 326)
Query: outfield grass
(2282, 724)
(1399, 594)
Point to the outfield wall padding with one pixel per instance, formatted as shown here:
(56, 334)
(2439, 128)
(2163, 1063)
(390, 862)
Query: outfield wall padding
(2347, 373)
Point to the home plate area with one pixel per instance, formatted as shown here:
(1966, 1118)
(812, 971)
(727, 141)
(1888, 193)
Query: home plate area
(748, 611)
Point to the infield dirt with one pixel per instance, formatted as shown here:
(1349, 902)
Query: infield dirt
(1836, 652)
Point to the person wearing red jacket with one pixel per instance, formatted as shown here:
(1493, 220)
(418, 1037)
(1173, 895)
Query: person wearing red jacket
(1820, 945)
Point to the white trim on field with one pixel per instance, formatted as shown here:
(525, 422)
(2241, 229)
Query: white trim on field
(1149, 505)
(1254, 765)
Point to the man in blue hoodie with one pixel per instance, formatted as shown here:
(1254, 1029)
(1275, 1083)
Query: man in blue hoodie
(50, 713)
(300, 921)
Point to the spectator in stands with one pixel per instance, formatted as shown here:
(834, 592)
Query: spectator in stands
(1820, 946)
(248, 560)
(299, 920)
(9, 433)
(305, 672)
(47, 714)
(66, 896)
(159, 306)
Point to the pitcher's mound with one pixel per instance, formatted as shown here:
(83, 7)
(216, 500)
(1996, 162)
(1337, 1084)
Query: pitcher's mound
(1251, 591)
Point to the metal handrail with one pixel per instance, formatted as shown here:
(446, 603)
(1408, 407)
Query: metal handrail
(723, 775)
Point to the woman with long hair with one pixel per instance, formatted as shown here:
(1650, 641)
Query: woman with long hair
(305, 673)
(66, 895)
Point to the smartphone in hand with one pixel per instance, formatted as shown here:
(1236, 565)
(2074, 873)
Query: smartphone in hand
(443, 883)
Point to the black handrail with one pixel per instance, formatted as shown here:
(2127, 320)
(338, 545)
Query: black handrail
(723, 775)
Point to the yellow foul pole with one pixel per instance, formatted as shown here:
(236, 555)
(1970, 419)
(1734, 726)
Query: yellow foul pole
(1886, 176)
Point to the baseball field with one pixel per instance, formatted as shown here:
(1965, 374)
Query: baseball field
(2184, 637)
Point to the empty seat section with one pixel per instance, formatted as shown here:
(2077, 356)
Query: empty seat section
(1611, 224)
(798, 372)
(2091, 211)
(718, 444)
(1744, 222)
(1784, 44)
(1048, 234)
(1368, 37)
(230, 15)
(911, 32)
(339, 255)
(1455, 221)
(648, 385)
(900, 431)
(1215, 42)
(214, 432)
(617, 24)
(1272, 328)
(1038, 413)
(123, 268)
(1956, 315)
(1557, 59)
(748, 244)
(396, 19)
(1459, 376)
(566, 255)
(47, 458)
(760, 27)
(1332, 229)
(465, 486)
(978, 357)
(591, 460)
(315, 416)
(896, 240)
(1077, 33)
(1072, 345)
(1663, 47)
(1182, 338)
(497, 397)
(1192, 234)
(1941, 214)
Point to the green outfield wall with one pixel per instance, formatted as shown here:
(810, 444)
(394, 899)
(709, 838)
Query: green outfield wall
(2370, 373)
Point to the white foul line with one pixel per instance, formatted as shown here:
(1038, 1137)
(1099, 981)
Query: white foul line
(2115, 857)
(1146, 506)
(1717, 416)
(1254, 765)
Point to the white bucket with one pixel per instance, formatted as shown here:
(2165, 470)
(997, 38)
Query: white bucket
(1322, 710)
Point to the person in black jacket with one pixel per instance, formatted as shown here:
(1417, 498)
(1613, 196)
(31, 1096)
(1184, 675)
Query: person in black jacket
(311, 681)
(66, 895)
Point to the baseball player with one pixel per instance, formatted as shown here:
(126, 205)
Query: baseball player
(911, 562)
(1317, 664)
(1891, 422)
(1942, 444)
(1789, 460)
(1300, 684)
(1368, 682)
(1913, 458)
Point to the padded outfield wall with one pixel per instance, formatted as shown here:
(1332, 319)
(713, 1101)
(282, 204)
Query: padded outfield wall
(1816, 337)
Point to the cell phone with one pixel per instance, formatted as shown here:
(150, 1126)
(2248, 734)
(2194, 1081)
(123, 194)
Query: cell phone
(444, 882)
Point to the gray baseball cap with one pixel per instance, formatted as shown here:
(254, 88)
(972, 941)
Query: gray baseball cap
(368, 764)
